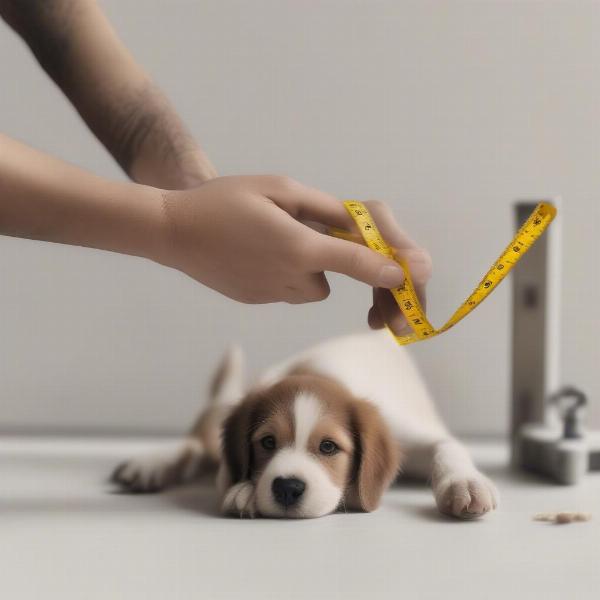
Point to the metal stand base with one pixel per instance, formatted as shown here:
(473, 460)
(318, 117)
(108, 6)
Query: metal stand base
(543, 450)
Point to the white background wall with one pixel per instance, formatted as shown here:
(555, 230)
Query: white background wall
(447, 110)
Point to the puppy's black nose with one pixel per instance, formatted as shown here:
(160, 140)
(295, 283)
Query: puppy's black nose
(287, 490)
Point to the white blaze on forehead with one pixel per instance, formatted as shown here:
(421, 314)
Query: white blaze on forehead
(307, 412)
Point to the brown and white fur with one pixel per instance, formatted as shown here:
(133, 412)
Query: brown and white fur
(324, 430)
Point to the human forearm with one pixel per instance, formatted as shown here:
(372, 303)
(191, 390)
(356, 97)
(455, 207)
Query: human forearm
(46, 199)
(242, 236)
(78, 48)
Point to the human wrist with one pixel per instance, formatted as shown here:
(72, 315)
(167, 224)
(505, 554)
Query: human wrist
(143, 223)
(119, 217)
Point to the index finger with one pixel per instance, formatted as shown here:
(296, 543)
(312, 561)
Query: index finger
(306, 203)
(404, 246)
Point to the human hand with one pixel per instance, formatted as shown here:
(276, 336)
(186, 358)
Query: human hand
(385, 310)
(246, 238)
(242, 236)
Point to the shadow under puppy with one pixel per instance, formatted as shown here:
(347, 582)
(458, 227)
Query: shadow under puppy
(323, 431)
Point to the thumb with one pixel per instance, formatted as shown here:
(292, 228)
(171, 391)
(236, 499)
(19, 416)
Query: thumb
(359, 262)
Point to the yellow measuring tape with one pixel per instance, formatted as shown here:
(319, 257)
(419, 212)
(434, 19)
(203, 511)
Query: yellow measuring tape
(406, 296)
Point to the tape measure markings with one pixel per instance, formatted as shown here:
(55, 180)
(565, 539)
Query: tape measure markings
(406, 296)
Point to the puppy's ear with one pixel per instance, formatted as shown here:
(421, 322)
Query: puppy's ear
(237, 431)
(377, 457)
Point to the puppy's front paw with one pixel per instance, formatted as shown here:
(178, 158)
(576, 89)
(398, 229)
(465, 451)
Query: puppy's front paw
(467, 497)
(240, 500)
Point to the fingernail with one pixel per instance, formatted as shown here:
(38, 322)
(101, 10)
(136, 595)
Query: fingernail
(390, 277)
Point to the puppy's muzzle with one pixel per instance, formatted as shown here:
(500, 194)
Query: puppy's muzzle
(287, 490)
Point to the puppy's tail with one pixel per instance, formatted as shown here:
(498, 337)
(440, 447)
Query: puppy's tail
(229, 382)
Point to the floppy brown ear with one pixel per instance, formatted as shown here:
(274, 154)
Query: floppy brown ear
(377, 457)
(237, 449)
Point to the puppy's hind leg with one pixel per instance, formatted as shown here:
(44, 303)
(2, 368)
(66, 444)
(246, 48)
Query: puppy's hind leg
(161, 470)
(200, 451)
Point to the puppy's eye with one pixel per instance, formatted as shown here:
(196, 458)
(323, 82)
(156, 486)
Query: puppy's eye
(268, 442)
(328, 447)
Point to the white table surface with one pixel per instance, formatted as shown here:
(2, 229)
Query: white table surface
(63, 534)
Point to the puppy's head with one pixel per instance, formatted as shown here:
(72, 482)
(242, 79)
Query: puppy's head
(309, 446)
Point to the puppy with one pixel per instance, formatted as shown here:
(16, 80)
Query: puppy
(323, 431)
